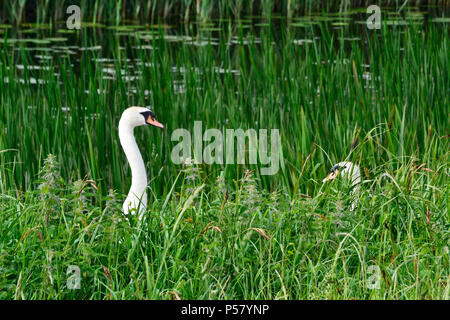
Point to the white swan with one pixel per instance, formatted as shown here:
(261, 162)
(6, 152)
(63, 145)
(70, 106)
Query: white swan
(347, 170)
(136, 201)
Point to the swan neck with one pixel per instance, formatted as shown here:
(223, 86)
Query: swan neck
(134, 157)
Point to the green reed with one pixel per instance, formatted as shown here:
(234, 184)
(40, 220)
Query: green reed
(197, 240)
(45, 11)
(321, 95)
(220, 243)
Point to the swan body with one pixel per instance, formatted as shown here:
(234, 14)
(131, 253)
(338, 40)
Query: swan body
(136, 201)
(346, 170)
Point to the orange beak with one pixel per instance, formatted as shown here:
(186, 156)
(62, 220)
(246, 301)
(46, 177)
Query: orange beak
(331, 176)
(155, 123)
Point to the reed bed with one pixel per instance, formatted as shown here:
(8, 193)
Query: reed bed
(226, 231)
(44, 11)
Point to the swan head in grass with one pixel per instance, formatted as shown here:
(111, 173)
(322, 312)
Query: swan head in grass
(138, 116)
(346, 170)
(136, 201)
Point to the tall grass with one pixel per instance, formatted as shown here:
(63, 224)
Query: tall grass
(221, 243)
(44, 11)
(326, 97)
(223, 231)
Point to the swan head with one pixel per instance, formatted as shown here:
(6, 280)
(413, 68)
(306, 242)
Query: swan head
(345, 169)
(139, 116)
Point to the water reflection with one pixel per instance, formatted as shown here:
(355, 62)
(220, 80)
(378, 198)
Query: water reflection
(111, 46)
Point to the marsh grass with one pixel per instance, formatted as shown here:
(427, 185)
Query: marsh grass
(204, 243)
(44, 11)
(326, 97)
(226, 232)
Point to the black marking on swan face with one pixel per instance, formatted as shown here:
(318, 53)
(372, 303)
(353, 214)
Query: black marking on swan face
(337, 167)
(147, 114)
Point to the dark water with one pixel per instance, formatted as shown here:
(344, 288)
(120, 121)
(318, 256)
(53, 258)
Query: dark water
(43, 44)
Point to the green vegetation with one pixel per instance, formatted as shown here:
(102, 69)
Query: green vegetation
(44, 11)
(225, 231)
(207, 244)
